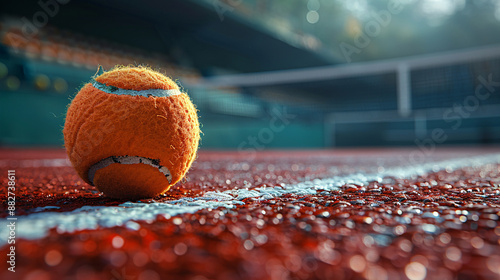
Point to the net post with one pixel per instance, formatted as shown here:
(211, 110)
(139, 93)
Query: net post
(404, 90)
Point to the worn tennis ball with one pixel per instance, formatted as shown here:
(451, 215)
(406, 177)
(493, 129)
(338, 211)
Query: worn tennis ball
(131, 132)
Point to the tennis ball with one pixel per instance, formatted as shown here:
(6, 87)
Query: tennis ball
(131, 133)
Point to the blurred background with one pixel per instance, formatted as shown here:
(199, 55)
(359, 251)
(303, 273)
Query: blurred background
(267, 74)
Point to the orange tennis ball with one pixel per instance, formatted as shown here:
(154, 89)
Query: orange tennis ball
(131, 133)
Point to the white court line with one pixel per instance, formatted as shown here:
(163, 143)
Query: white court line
(37, 225)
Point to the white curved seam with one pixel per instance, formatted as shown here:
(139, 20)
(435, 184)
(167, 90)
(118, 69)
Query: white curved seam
(144, 93)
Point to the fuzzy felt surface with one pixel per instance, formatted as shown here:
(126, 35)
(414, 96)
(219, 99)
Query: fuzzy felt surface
(99, 125)
(136, 78)
(129, 181)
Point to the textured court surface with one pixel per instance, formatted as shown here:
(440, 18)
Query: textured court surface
(349, 214)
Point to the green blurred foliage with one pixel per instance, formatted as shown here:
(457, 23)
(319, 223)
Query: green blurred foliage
(422, 26)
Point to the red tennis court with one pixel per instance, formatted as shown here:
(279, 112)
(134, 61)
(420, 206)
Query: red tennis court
(338, 214)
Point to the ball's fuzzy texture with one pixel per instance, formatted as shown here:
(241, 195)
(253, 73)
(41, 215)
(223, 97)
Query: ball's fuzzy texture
(127, 140)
